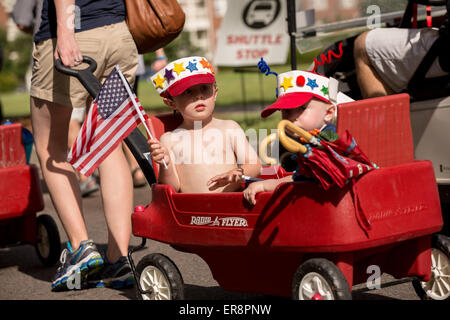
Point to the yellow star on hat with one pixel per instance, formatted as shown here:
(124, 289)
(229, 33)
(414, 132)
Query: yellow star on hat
(159, 81)
(178, 67)
(287, 83)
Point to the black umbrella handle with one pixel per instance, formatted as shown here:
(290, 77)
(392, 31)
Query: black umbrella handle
(85, 76)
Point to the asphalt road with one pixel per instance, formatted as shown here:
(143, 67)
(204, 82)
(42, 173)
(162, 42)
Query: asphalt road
(23, 277)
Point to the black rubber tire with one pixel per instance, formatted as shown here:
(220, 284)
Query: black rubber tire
(441, 243)
(54, 242)
(168, 268)
(329, 271)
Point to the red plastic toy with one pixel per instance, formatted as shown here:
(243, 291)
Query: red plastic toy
(21, 198)
(299, 240)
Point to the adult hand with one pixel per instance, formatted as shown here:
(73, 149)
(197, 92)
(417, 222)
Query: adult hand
(159, 64)
(68, 51)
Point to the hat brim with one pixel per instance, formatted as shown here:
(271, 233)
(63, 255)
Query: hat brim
(289, 101)
(183, 84)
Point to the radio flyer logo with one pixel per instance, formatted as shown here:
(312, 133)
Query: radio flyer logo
(261, 13)
(222, 222)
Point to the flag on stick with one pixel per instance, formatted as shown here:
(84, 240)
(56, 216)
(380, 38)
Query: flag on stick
(114, 114)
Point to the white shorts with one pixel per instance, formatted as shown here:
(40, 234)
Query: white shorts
(396, 53)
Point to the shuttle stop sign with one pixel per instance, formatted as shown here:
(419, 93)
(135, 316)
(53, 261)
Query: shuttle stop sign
(252, 29)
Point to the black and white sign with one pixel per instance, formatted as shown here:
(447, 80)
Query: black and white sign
(252, 29)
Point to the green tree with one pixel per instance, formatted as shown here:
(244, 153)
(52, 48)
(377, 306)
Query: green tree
(16, 60)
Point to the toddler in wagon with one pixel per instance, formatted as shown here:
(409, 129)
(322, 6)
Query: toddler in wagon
(309, 101)
(202, 146)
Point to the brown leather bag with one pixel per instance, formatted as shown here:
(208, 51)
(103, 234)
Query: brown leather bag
(154, 23)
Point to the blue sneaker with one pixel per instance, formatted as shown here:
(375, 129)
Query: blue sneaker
(113, 275)
(75, 266)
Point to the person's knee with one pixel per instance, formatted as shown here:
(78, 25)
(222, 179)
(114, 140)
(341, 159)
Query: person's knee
(359, 48)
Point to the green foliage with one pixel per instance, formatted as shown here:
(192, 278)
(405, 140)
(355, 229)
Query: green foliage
(16, 60)
(8, 82)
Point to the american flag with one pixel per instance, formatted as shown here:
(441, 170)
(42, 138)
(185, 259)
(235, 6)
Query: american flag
(110, 119)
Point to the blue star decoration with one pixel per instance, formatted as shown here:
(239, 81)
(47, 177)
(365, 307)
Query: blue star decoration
(192, 66)
(312, 83)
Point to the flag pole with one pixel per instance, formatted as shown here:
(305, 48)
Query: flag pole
(130, 93)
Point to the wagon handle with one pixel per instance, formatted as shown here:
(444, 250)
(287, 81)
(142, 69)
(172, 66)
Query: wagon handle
(263, 149)
(85, 76)
(289, 143)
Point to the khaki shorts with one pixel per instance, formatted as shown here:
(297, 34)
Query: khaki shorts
(109, 46)
(396, 53)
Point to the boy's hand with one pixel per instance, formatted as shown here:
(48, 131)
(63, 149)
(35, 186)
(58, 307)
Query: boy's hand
(158, 152)
(221, 180)
(252, 190)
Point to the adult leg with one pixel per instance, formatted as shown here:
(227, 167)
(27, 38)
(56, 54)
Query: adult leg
(368, 79)
(117, 196)
(50, 122)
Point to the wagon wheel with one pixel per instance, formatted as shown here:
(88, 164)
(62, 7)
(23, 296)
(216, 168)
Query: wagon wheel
(320, 279)
(158, 273)
(438, 288)
(48, 244)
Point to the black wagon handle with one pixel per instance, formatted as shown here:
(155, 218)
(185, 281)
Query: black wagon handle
(85, 76)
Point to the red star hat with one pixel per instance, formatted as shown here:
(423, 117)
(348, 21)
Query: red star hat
(295, 88)
(182, 74)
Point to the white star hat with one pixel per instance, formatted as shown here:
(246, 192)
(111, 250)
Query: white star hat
(295, 88)
(181, 74)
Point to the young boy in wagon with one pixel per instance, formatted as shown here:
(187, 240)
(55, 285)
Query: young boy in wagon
(204, 154)
(309, 101)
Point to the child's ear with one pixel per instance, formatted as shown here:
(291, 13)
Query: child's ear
(169, 102)
(329, 115)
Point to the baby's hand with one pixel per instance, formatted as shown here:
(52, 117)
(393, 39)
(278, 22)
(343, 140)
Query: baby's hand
(158, 152)
(221, 180)
(252, 190)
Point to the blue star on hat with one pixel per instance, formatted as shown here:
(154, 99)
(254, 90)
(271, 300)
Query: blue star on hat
(192, 66)
(312, 83)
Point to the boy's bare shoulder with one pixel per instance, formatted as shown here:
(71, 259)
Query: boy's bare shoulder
(166, 137)
(227, 124)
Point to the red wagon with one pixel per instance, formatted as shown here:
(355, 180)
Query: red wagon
(300, 241)
(21, 198)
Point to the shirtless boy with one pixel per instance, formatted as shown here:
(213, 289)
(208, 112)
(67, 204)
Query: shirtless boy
(202, 146)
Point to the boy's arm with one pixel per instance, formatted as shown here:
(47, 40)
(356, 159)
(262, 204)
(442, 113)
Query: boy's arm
(247, 159)
(263, 186)
(159, 152)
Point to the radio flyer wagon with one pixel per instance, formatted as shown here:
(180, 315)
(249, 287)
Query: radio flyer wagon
(21, 198)
(300, 241)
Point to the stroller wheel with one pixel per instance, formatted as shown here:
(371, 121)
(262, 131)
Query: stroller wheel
(48, 245)
(320, 279)
(158, 273)
(438, 287)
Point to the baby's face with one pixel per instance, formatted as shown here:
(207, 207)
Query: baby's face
(197, 102)
(310, 116)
